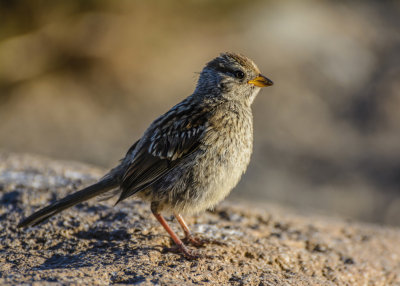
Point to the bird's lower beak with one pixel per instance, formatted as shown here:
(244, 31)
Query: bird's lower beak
(261, 81)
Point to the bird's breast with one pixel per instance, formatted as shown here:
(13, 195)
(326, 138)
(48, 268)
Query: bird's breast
(228, 144)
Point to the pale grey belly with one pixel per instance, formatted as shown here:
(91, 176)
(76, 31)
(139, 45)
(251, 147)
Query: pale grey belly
(214, 176)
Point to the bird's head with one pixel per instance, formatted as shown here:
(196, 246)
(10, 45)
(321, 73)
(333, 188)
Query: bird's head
(232, 77)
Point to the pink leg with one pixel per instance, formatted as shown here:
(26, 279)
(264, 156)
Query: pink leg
(179, 244)
(188, 235)
(183, 224)
(192, 239)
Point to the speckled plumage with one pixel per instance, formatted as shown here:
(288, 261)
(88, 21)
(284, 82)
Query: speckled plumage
(190, 158)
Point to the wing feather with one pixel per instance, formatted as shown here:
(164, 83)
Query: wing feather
(163, 148)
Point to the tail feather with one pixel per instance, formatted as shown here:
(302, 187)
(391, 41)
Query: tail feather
(85, 194)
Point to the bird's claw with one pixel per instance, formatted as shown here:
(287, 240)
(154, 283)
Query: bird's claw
(189, 254)
(195, 241)
(199, 242)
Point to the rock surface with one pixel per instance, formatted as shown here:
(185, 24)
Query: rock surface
(96, 243)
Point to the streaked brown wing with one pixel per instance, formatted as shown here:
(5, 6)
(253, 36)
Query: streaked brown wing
(162, 151)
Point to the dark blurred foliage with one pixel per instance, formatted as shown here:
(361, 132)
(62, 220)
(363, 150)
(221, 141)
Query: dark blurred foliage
(81, 80)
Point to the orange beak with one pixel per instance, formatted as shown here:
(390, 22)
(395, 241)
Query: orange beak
(261, 81)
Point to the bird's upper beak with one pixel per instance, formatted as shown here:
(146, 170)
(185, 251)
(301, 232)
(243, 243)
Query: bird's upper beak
(261, 81)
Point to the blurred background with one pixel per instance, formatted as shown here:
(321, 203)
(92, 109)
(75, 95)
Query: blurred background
(81, 80)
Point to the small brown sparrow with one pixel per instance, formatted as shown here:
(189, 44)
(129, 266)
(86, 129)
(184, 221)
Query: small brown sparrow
(190, 158)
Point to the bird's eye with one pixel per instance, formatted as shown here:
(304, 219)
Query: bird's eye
(239, 74)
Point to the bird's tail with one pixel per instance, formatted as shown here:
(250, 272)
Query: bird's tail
(87, 193)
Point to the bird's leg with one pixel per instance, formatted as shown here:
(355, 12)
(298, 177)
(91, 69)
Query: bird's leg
(179, 244)
(190, 238)
(188, 235)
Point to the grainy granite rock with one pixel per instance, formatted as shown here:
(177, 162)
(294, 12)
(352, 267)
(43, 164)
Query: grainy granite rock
(96, 243)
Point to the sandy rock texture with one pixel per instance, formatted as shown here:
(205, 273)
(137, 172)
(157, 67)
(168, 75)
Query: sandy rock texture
(99, 243)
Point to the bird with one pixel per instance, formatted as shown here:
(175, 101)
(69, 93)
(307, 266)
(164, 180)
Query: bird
(190, 158)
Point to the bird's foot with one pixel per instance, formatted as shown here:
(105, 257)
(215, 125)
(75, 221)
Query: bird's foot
(199, 242)
(196, 241)
(181, 248)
